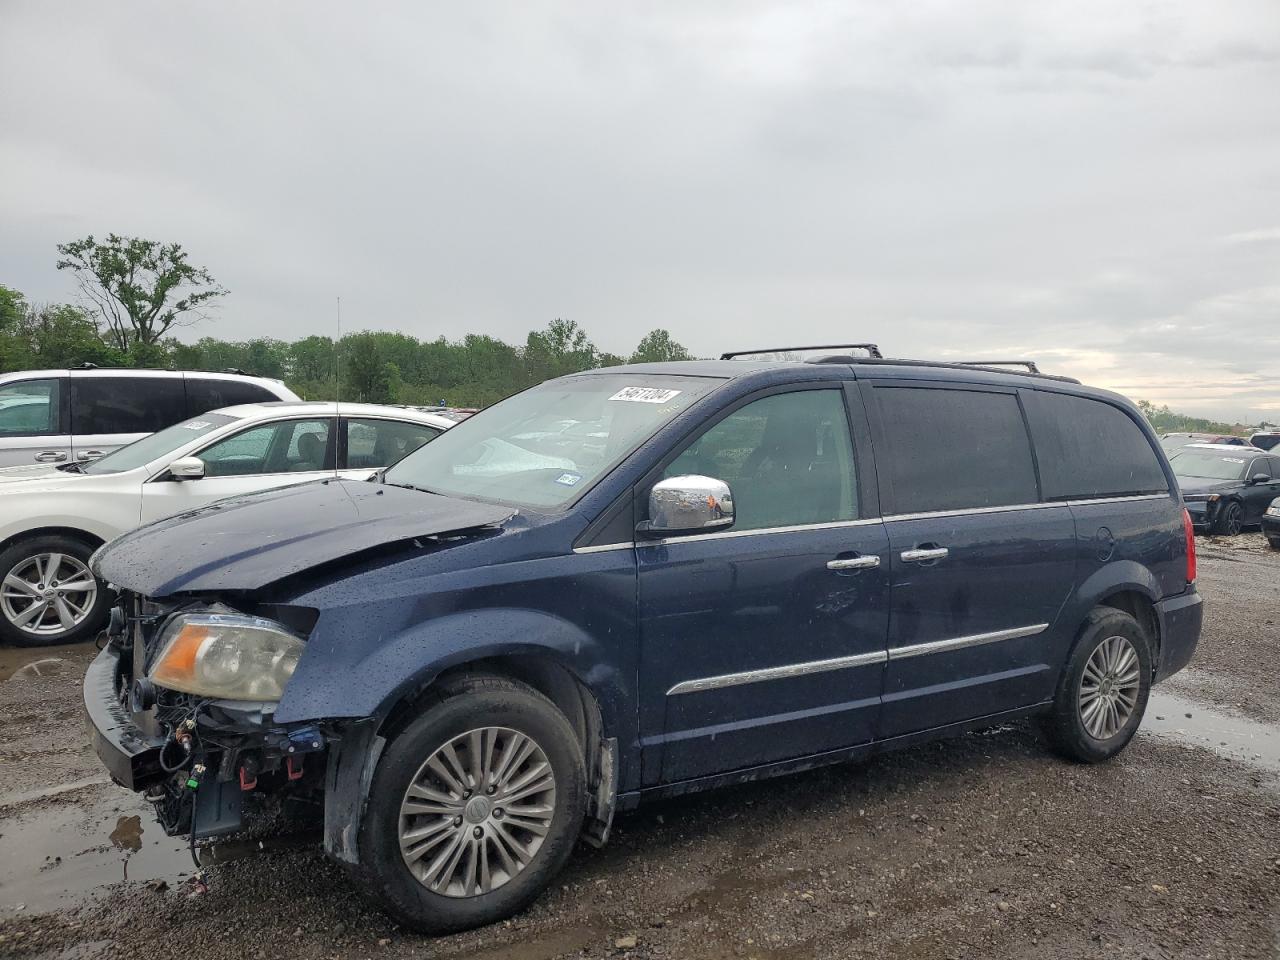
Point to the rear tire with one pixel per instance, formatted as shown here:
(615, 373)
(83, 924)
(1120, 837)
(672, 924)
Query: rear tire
(1100, 702)
(466, 728)
(1230, 520)
(35, 604)
(1274, 542)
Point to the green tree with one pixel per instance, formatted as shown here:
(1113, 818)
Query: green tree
(61, 335)
(657, 346)
(139, 288)
(13, 346)
(561, 348)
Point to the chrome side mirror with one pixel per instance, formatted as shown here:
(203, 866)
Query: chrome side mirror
(187, 468)
(691, 504)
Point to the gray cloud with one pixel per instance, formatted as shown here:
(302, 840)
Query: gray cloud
(1091, 184)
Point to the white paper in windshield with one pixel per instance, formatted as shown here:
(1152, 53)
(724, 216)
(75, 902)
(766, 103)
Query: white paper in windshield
(645, 394)
(197, 424)
(1231, 460)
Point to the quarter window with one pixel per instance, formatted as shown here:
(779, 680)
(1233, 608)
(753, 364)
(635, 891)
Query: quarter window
(374, 444)
(30, 408)
(1088, 448)
(290, 446)
(952, 450)
(210, 394)
(114, 405)
(787, 458)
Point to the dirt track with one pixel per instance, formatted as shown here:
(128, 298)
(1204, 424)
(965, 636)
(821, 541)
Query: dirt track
(984, 847)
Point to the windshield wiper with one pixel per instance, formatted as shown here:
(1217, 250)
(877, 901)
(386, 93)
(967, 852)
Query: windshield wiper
(71, 467)
(410, 486)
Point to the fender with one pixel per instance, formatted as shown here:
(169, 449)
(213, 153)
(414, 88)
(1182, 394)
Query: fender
(370, 685)
(1116, 577)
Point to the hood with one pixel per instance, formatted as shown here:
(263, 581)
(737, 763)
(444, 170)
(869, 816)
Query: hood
(246, 543)
(46, 474)
(1205, 485)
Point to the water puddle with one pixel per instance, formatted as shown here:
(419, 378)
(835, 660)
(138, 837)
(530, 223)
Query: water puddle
(30, 660)
(1232, 737)
(59, 854)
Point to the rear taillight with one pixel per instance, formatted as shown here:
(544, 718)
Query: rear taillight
(1191, 545)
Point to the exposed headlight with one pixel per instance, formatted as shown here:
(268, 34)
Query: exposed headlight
(227, 656)
(1273, 510)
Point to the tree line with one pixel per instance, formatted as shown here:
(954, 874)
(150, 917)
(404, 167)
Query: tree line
(135, 293)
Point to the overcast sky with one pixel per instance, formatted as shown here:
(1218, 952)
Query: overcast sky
(1093, 185)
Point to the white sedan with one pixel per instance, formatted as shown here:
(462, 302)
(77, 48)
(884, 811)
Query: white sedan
(53, 518)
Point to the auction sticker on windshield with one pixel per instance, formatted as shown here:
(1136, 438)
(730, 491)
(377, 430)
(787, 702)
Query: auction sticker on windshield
(197, 424)
(645, 394)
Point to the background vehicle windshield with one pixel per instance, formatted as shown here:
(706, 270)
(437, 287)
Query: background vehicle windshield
(1208, 466)
(542, 447)
(157, 445)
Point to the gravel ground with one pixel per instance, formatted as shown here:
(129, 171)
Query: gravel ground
(983, 847)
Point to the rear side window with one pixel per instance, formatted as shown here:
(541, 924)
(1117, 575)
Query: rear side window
(108, 405)
(30, 408)
(374, 444)
(208, 394)
(1088, 449)
(953, 450)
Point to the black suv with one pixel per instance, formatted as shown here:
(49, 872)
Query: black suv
(640, 581)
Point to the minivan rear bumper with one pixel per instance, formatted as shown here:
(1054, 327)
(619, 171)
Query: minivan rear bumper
(1180, 620)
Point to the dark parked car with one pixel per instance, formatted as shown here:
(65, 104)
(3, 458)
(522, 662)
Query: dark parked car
(747, 568)
(1226, 488)
(1265, 441)
(1271, 524)
(1173, 442)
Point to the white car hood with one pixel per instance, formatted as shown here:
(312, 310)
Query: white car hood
(46, 474)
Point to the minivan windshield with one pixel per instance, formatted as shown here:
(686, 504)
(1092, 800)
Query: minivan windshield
(542, 447)
(158, 445)
(1206, 465)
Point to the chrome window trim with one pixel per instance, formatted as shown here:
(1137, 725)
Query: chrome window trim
(1140, 496)
(893, 518)
(970, 511)
(726, 534)
(605, 547)
(960, 643)
(778, 673)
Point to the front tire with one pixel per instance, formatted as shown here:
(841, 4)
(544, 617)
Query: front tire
(1104, 688)
(474, 808)
(1274, 542)
(1230, 519)
(47, 594)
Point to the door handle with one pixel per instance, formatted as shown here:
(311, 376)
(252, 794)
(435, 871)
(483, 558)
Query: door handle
(854, 563)
(88, 454)
(925, 555)
(51, 456)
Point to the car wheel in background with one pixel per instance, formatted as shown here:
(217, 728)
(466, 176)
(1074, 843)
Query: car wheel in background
(1103, 691)
(47, 594)
(475, 806)
(1230, 519)
(1274, 542)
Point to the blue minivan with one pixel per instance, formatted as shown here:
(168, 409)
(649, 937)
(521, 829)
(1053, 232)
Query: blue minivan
(640, 581)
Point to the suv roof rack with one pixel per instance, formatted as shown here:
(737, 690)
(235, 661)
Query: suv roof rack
(1029, 364)
(871, 349)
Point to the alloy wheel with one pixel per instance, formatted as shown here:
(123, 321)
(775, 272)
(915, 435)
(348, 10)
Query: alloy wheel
(477, 811)
(1109, 687)
(1234, 521)
(48, 594)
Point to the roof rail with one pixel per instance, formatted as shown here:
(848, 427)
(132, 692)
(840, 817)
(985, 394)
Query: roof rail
(1029, 364)
(871, 349)
(235, 370)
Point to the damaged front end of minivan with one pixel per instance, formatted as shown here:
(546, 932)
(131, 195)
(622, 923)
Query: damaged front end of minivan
(182, 702)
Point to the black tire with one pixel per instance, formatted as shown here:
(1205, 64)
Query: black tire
(16, 555)
(1230, 519)
(1274, 542)
(464, 705)
(1065, 725)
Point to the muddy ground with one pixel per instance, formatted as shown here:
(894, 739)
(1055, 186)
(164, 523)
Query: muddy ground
(983, 847)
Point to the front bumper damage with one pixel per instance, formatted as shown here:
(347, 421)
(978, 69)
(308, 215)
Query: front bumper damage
(1203, 513)
(198, 760)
